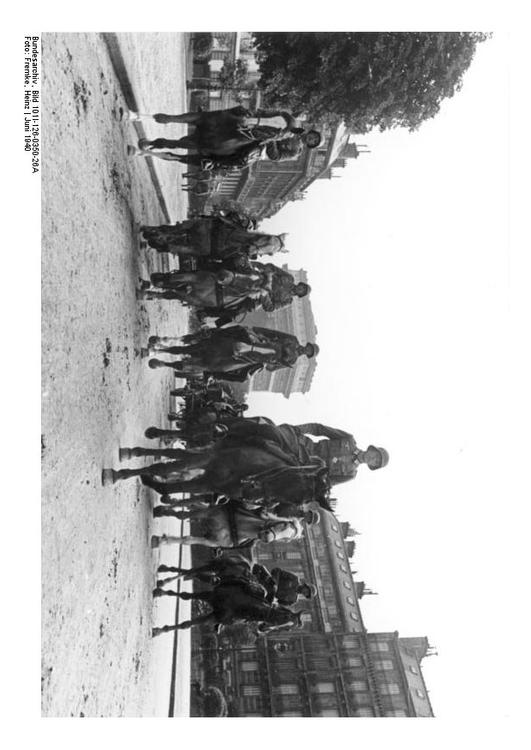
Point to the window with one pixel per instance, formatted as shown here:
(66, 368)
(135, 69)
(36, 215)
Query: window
(414, 670)
(293, 555)
(344, 569)
(324, 687)
(364, 712)
(251, 690)
(338, 544)
(359, 686)
(350, 641)
(350, 600)
(354, 616)
(392, 688)
(332, 609)
(396, 712)
(354, 661)
(249, 678)
(341, 555)
(420, 693)
(288, 689)
(384, 665)
(346, 585)
(306, 617)
(249, 666)
(379, 646)
(333, 527)
(252, 703)
(328, 712)
(291, 713)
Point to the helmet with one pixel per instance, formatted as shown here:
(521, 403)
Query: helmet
(312, 590)
(314, 350)
(384, 457)
(312, 518)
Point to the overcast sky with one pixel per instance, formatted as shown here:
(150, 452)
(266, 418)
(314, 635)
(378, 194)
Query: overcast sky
(407, 256)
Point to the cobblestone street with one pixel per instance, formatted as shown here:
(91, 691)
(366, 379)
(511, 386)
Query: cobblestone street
(97, 392)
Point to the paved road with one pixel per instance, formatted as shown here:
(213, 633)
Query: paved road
(97, 565)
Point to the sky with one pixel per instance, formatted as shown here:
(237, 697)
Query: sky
(407, 256)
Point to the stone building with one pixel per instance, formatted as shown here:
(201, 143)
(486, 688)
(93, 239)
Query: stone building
(296, 319)
(333, 666)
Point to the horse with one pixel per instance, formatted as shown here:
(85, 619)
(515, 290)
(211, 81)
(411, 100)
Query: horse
(212, 572)
(223, 468)
(231, 526)
(215, 237)
(238, 350)
(229, 134)
(235, 602)
(207, 289)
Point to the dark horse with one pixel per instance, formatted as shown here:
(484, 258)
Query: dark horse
(226, 466)
(234, 602)
(212, 572)
(226, 133)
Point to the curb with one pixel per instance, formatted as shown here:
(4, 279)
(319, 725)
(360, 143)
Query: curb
(120, 70)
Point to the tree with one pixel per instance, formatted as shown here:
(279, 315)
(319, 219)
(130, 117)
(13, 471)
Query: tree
(239, 634)
(203, 44)
(369, 80)
(233, 74)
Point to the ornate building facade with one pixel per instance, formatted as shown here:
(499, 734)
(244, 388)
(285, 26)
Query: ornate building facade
(333, 666)
(296, 319)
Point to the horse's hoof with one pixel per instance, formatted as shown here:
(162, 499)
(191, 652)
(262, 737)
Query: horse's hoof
(158, 592)
(155, 363)
(144, 144)
(144, 352)
(125, 453)
(153, 340)
(155, 541)
(151, 433)
(158, 511)
(107, 477)
(166, 499)
(156, 631)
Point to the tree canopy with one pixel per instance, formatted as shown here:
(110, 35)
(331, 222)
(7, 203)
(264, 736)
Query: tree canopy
(384, 79)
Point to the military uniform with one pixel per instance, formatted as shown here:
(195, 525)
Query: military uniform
(279, 583)
(339, 450)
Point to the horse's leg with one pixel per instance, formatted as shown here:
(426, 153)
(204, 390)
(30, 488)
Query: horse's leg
(174, 277)
(184, 515)
(155, 432)
(200, 620)
(194, 486)
(173, 349)
(156, 469)
(158, 541)
(156, 363)
(165, 339)
(190, 118)
(185, 142)
(163, 581)
(167, 294)
(175, 453)
(200, 595)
